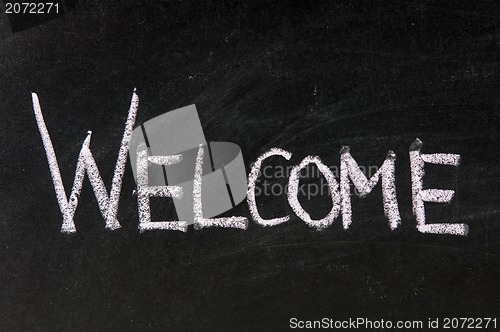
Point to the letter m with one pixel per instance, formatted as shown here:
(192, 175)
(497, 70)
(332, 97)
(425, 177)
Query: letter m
(349, 169)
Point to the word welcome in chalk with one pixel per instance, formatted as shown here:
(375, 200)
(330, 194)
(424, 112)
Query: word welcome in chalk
(339, 191)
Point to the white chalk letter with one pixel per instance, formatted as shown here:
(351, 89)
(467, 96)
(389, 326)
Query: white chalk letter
(144, 191)
(293, 190)
(419, 195)
(252, 178)
(107, 204)
(349, 169)
(199, 221)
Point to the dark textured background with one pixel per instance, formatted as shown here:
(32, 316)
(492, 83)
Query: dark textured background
(306, 76)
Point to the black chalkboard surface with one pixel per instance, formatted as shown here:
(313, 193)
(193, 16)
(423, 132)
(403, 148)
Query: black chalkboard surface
(308, 77)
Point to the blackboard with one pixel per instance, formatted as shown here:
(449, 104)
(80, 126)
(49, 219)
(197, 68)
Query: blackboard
(308, 77)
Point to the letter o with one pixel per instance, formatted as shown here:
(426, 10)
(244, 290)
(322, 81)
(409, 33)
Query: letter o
(293, 188)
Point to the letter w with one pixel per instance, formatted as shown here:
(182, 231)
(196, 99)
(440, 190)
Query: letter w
(108, 204)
